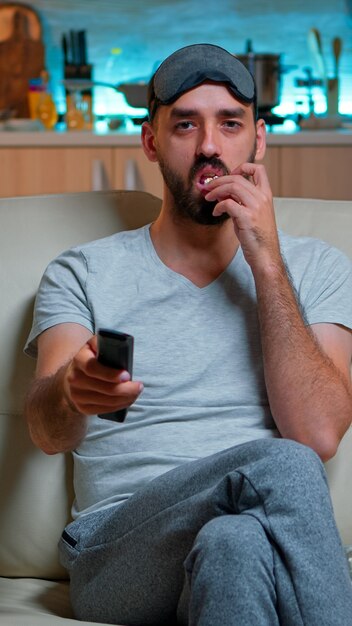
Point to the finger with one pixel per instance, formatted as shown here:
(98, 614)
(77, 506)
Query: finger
(102, 372)
(240, 190)
(234, 209)
(81, 382)
(90, 402)
(112, 393)
(84, 365)
(93, 344)
(257, 173)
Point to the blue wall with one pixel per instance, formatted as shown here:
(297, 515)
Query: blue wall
(147, 31)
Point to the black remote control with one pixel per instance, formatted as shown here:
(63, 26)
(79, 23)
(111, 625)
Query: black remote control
(115, 350)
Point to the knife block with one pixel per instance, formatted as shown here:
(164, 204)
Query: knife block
(85, 102)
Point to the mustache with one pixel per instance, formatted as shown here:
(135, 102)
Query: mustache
(201, 161)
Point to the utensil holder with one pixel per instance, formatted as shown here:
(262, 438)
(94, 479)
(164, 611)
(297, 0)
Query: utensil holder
(83, 72)
(332, 96)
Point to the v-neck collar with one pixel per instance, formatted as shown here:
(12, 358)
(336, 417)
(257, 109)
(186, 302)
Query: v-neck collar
(167, 271)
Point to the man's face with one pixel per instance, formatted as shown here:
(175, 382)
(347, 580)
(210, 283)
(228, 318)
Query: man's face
(205, 133)
(187, 201)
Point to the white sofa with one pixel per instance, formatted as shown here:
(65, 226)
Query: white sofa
(36, 490)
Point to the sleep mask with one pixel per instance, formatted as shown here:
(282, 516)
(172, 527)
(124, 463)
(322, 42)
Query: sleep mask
(192, 65)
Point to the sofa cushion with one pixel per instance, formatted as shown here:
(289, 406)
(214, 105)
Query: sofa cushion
(32, 602)
(37, 493)
(329, 220)
(35, 503)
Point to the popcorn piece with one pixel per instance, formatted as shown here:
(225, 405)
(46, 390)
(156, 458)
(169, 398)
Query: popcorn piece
(208, 179)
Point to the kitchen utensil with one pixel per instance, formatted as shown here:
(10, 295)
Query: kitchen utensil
(135, 93)
(82, 47)
(21, 55)
(316, 49)
(64, 46)
(332, 96)
(266, 70)
(337, 49)
(7, 11)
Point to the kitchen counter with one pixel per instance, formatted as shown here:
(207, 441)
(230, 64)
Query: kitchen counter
(338, 137)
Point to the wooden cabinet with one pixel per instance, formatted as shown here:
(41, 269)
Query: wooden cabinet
(272, 165)
(316, 172)
(322, 171)
(132, 170)
(46, 170)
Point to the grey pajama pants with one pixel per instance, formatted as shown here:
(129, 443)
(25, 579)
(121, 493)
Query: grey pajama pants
(245, 537)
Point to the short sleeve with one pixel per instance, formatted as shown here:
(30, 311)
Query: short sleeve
(61, 297)
(329, 296)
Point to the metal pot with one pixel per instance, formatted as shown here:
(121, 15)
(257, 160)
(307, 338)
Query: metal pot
(266, 70)
(136, 94)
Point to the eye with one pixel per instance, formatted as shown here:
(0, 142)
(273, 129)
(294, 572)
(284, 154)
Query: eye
(232, 124)
(184, 125)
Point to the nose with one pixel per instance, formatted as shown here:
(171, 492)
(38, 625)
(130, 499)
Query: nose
(208, 142)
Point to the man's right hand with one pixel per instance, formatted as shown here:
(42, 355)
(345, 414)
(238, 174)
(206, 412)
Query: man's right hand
(93, 388)
(70, 384)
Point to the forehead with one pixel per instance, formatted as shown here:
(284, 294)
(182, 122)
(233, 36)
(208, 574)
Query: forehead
(209, 98)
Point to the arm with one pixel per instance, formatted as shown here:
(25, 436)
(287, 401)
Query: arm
(69, 385)
(306, 369)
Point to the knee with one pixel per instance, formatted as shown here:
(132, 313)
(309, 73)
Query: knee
(216, 536)
(285, 461)
(299, 473)
(229, 537)
(298, 458)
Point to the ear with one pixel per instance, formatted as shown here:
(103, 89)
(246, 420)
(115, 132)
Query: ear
(148, 141)
(261, 140)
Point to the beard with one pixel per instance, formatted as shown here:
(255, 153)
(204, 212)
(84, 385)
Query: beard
(187, 204)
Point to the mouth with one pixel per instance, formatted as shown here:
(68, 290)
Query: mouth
(205, 177)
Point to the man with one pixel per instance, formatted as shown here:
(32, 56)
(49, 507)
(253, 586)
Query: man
(209, 504)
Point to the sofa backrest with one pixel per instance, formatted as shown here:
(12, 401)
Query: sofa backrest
(36, 490)
(330, 221)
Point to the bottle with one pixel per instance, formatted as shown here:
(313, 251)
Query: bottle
(35, 88)
(46, 109)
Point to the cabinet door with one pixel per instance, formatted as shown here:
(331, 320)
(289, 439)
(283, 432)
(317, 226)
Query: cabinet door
(317, 172)
(272, 166)
(132, 170)
(31, 171)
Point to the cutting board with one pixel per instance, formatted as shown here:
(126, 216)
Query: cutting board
(21, 55)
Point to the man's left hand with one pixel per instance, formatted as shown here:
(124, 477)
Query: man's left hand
(246, 196)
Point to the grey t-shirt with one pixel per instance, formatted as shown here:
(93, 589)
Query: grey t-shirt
(197, 351)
